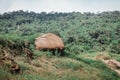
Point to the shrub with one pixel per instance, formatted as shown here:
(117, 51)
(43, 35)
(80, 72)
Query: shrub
(115, 46)
(38, 53)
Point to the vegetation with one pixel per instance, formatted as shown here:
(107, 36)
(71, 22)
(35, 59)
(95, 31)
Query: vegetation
(80, 32)
(84, 35)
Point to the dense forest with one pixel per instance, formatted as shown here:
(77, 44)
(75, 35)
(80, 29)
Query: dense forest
(81, 32)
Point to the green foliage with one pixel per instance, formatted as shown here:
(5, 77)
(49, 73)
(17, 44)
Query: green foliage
(115, 46)
(80, 32)
(38, 53)
(115, 56)
(99, 65)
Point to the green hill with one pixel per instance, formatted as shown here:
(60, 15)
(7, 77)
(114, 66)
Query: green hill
(82, 32)
(84, 35)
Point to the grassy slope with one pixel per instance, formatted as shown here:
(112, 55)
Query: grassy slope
(82, 67)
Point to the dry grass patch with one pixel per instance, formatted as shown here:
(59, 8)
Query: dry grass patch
(102, 56)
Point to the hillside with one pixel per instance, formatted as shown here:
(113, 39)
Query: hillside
(85, 32)
(85, 35)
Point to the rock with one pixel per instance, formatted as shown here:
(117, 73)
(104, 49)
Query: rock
(49, 41)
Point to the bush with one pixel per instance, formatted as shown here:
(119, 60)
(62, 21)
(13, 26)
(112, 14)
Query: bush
(115, 47)
(38, 53)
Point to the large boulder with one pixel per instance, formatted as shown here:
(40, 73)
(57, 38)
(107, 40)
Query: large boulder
(49, 41)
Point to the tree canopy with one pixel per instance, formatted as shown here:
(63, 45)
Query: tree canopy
(80, 31)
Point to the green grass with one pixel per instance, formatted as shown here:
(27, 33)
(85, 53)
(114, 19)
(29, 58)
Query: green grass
(115, 56)
(68, 64)
(4, 75)
(105, 72)
(72, 68)
(34, 77)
